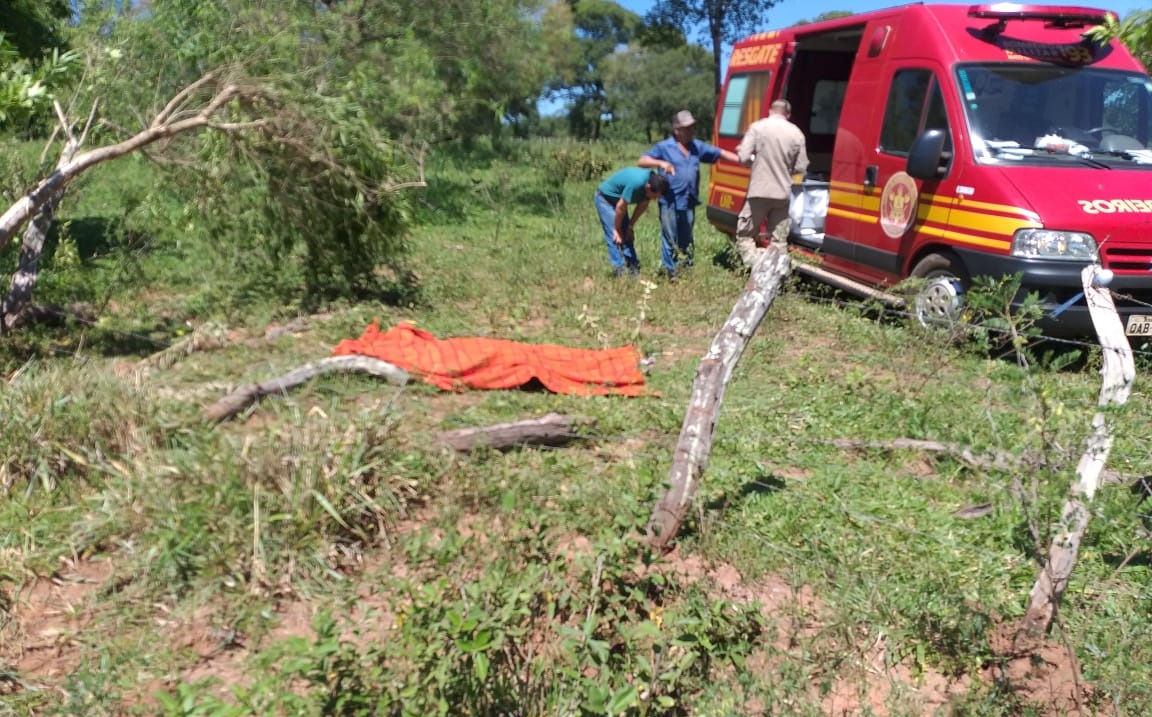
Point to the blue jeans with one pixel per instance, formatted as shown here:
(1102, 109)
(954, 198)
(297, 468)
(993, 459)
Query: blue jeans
(618, 256)
(676, 237)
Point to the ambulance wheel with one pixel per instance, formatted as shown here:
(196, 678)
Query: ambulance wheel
(939, 300)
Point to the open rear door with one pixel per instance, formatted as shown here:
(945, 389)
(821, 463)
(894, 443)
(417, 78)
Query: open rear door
(783, 76)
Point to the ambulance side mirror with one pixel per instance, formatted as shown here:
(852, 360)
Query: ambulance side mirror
(927, 159)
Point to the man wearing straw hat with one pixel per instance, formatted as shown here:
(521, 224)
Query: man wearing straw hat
(679, 158)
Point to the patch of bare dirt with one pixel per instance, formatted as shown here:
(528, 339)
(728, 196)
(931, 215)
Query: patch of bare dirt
(789, 607)
(788, 472)
(872, 679)
(432, 410)
(920, 467)
(222, 655)
(871, 676)
(218, 650)
(1044, 674)
(41, 637)
(817, 345)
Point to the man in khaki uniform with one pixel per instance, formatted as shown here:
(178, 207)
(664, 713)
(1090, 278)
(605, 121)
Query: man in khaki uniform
(774, 148)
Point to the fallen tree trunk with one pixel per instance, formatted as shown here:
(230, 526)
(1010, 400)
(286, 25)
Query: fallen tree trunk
(28, 265)
(1119, 371)
(203, 338)
(245, 396)
(210, 337)
(712, 375)
(550, 430)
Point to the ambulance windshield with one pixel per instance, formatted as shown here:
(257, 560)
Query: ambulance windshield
(1034, 113)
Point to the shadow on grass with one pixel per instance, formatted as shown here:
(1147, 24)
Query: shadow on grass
(403, 288)
(445, 201)
(73, 339)
(544, 201)
(761, 484)
(758, 483)
(120, 343)
(727, 259)
(1141, 559)
(94, 237)
(1059, 355)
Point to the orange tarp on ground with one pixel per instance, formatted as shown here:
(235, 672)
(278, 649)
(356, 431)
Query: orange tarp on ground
(499, 363)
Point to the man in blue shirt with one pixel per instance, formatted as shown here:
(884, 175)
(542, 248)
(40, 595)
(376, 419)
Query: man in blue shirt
(628, 186)
(679, 157)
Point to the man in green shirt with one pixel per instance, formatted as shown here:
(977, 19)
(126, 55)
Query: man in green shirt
(628, 186)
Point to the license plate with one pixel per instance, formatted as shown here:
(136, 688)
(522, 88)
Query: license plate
(1139, 325)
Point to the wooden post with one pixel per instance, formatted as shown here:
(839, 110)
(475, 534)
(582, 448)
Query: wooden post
(712, 375)
(1118, 372)
(552, 430)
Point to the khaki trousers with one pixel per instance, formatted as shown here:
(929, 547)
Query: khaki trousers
(752, 215)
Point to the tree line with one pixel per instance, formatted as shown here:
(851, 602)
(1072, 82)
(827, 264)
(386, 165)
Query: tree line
(445, 69)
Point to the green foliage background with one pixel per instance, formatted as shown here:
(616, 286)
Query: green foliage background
(494, 582)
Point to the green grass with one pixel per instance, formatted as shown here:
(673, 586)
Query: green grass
(510, 582)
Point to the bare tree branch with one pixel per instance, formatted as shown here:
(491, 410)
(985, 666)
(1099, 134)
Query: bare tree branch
(553, 430)
(245, 396)
(390, 188)
(64, 124)
(72, 165)
(48, 146)
(38, 206)
(88, 123)
(164, 115)
(996, 461)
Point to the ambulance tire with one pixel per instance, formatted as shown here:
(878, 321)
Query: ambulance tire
(939, 300)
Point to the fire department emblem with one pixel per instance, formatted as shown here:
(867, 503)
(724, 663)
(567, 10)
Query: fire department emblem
(898, 204)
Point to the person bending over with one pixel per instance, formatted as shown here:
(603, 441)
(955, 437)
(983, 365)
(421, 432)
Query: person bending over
(613, 197)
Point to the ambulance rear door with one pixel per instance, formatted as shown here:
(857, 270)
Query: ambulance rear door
(753, 78)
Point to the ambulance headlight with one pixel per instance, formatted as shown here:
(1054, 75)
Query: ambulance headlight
(1053, 244)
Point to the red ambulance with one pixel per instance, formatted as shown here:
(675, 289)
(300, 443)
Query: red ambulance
(954, 141)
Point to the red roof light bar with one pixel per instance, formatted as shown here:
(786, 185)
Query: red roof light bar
(1052, 13)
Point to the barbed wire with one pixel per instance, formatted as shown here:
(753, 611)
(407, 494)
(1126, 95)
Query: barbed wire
(1130, 298)
(1013, 492)
(877, 307)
